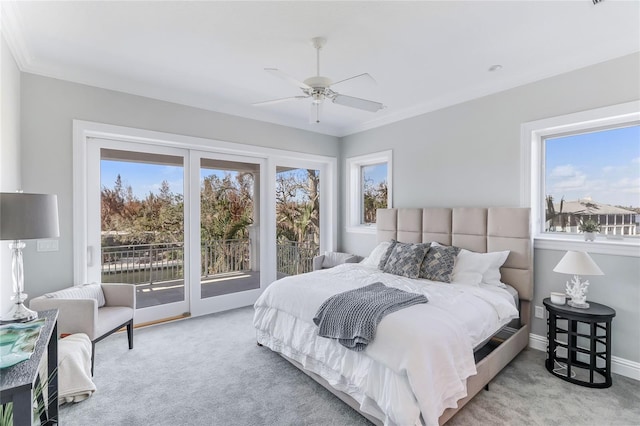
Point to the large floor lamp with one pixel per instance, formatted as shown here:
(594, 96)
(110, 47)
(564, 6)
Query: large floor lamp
(25, 217)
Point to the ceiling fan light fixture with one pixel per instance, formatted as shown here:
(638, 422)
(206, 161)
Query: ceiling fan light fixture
(318, 98)
(318, 82)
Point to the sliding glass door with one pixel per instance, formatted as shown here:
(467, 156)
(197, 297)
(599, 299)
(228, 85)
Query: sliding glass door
(227, 194)
(138, 225)
(297, 219)
(198, 226)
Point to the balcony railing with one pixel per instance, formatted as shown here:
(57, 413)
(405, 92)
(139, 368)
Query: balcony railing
(295, 258)
(159, 262)
(143, 263)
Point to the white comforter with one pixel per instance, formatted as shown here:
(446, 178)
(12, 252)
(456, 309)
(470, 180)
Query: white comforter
(421, 357)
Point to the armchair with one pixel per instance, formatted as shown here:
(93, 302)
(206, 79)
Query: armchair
(331, 258)
(79, 313)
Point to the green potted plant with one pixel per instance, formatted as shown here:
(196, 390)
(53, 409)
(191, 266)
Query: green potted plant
(589, 227)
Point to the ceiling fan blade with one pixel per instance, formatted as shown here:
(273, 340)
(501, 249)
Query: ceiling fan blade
(352, 102)
(315, 112)
(366, 74)
(277, 101)
(286, 77)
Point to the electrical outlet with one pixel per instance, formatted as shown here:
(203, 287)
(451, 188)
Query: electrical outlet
(47, 245)
(539, 312)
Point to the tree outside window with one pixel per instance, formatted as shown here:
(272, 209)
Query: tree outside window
(374, 191)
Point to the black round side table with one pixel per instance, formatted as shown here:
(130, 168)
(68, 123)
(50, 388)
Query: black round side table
(594, 343)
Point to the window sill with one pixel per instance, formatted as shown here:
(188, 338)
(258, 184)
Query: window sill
(362, 229)
(602, 245)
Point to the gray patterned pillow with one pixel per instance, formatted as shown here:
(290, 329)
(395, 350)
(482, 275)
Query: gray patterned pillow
(385, 256)
(405, 259)
(438, 263)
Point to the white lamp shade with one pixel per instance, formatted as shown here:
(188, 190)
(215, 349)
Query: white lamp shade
(577, 263)
(28, 216)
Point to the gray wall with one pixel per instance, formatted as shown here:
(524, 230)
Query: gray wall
(9, 156)
(50, 105)
(469, 155)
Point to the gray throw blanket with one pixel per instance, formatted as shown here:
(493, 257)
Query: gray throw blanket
(353, 316)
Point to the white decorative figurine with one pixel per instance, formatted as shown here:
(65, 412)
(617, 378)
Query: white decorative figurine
(577, 263)
(578, 292)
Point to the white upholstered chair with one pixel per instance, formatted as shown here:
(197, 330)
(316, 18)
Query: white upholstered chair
(331, 258)
(96, 310)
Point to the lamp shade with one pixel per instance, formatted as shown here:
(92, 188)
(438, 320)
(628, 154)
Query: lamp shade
(577, 263)
(28, 216)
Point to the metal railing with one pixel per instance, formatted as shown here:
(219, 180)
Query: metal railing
(143, 263)
(295, 258)
(221, 256)
(158, 262)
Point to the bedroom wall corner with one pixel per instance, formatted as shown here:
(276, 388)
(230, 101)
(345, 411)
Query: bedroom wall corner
(9, 154)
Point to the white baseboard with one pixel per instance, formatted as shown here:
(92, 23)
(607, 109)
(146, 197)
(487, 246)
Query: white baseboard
(620, 366)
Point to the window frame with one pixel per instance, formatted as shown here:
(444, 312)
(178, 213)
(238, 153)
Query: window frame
(354, 186)
(532, 139)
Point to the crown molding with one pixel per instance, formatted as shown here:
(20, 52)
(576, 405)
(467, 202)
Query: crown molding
(466, 95)
(12, 24)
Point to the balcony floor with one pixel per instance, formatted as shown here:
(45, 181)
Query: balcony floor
(215, 285)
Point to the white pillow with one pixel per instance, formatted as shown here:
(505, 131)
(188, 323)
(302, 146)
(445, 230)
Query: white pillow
(486, 264)
(376, 254)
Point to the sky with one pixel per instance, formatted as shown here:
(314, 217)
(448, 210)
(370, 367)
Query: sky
(376, 172)
(142, 177)
(145, 178)
(603, 165)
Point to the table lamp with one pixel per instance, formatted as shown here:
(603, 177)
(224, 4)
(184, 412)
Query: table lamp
(577, 263)
(25, 217)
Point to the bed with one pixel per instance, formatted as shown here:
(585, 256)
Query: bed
(428, 360)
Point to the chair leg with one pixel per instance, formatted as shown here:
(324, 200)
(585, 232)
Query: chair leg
(93, 352)
(130, 333)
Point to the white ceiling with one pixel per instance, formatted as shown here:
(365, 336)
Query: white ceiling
(211, 55)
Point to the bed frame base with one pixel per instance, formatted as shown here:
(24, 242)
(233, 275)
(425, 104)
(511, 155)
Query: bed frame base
(488, 367)
(344, 397)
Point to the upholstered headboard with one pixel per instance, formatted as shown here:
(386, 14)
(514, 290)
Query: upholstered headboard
(474, 228)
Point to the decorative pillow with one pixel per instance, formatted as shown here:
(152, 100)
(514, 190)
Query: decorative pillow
(385, 256)
(332, 258)
(487, 264)
(405, 259)
(438, 263)
(376, 254)
(87, 291)
(492, 275)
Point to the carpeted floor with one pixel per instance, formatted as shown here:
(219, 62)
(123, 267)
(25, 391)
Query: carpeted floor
(209, 371)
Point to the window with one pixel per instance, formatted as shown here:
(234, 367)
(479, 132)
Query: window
(369, 189)
(592, 182)
(582, 172)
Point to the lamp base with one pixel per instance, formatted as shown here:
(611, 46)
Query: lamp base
(581, 305)
(19, 313)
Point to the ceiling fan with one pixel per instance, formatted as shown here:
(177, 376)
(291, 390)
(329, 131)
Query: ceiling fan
(319, 88)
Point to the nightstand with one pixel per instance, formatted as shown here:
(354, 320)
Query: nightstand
(583, 336)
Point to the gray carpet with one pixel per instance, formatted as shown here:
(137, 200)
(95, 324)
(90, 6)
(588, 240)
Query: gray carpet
(209, 371)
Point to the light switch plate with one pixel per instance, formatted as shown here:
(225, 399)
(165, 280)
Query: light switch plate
(47, 245)
(539, 312)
